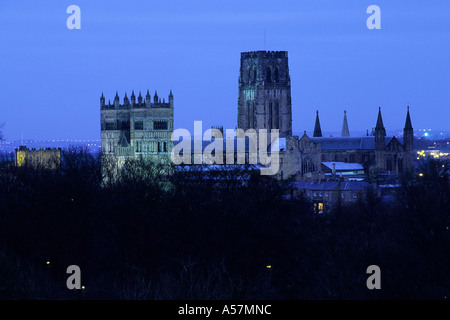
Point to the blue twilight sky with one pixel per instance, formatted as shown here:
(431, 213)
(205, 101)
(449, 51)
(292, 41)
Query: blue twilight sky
(52, 77)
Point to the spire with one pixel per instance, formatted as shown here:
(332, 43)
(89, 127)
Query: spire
(116, 100)
(317, 129)
(133, 98)
(102, 100)
(345, 132)
(148, 99)
(408, 120)
(125, 100)
(379, 120)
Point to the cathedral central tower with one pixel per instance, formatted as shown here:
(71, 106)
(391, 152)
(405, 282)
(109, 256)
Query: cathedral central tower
(265, 92)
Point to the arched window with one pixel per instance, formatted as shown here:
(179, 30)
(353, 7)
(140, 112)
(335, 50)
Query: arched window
(277, 74)
(308, 165)
(251, 74)
(268, 75)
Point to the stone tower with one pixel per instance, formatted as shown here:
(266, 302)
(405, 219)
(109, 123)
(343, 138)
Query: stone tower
(265, 92)
(137, 128)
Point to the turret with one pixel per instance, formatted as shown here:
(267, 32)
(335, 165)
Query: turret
(317, 129)
(171, 99)
(380, 132)
(116, 100)
(102, 101)
(155, 98)
(133, 98)
(148, 100)
(140, 99)
(408, 133)
(126, 102)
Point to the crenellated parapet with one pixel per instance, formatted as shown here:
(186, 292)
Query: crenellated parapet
(140, 102)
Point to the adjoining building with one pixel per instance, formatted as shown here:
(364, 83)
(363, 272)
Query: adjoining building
(142, 127)
(327, 195)
(44, 158)
(265, 103)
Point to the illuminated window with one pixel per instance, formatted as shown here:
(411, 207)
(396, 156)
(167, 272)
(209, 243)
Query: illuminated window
(355, 195)
(342, 195)
(318, 207)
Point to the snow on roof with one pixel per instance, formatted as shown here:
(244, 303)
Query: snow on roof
(342, 166)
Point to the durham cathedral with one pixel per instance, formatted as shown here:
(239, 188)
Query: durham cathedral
(264, 102)
(142, 127)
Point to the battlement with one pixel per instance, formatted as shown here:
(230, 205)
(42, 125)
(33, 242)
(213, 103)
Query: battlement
(46, 157)
(140, 102)
(265, 54)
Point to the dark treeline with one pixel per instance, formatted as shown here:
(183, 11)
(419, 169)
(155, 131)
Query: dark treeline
(212, 234)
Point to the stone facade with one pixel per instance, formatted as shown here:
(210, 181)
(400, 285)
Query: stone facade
(46, 158)
(378, 154)
(264, 102)
(265, 92)
(137, 127)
